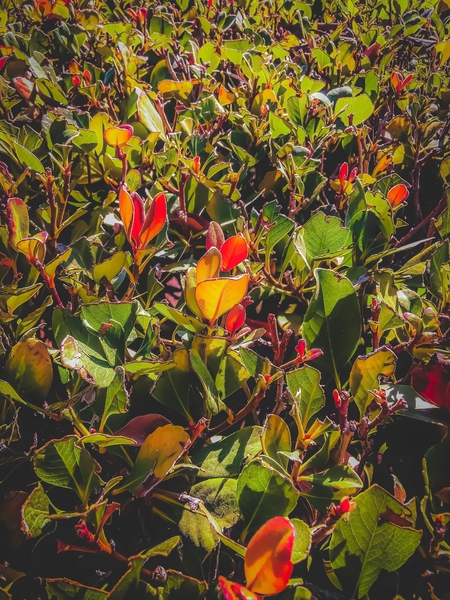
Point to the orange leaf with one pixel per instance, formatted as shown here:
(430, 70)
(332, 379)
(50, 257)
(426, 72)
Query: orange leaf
(118, 136)
(233, 252)
(216, 296)
(397, 194)
(235, 591)
(395, 80)
(126, 208)
(225, 97)
(268, 560)
(138, 216)
(209, 264)
(235, 318)
(154, 221)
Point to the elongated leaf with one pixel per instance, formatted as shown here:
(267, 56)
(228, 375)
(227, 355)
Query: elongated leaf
(368, 541)
(149, 116)
(276, 438)
(332, 321)
(172, 387)
(35, 512)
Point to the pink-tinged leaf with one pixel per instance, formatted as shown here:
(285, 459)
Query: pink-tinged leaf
(372, 52)
(397, 194)
(154, 221)
(214, 236)
(138, 216)
(353, 175)
(233, 251)
(268, 561)
(18, 221)
(235, 591)
(139, 428)
(343, 174)
(235, 319)
(3, 61)
(406, 81)
(23, 86)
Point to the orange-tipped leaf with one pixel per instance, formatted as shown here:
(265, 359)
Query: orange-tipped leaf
(233, 252)
(268, 560)
(215, 297)
(154, 221)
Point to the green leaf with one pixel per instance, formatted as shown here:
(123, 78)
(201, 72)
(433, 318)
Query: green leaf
(113, 323)
(148, 115)
(332, 321)
(28, 159)
(333, 484)
(219, 498)
(263, 493)
(306, 391)
(213, 404)
(188, 323)
(276, 438)
(361, 107)
(365, 374)
(35, 512)
(110, 267)
(89, 364)
(277, 232)
(65, 464)
(367, 541)
(302, 542)
(324, 236)
(64, 589)
(18, 221)
(172, 387)
(225, 458)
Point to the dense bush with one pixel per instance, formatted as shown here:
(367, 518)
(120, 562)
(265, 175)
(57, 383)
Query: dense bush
(225, 292)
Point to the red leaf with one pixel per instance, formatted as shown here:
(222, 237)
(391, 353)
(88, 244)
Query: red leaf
(138, 216)
(154, 221)
(235, 319)
(233, 252)
(268, 560)
(235, 591)
(397, 194)
(432, 381)
(343, 174)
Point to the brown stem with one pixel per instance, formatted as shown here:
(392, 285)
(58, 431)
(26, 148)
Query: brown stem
(412, 232)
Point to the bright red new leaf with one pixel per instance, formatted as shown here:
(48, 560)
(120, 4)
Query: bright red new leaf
(233, 251)
(235, 591)
(235, 319)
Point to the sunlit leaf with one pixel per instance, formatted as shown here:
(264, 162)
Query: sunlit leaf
(217, 296)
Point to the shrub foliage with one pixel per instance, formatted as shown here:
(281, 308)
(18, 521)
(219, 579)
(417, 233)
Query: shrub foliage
(225, 292)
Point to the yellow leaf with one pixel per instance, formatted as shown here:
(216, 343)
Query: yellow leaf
(189, 291)
(29, 369)
(225, 97)
(261, 99)
(217, 296)
(443, 48)
(182, 89)
(208, 266)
